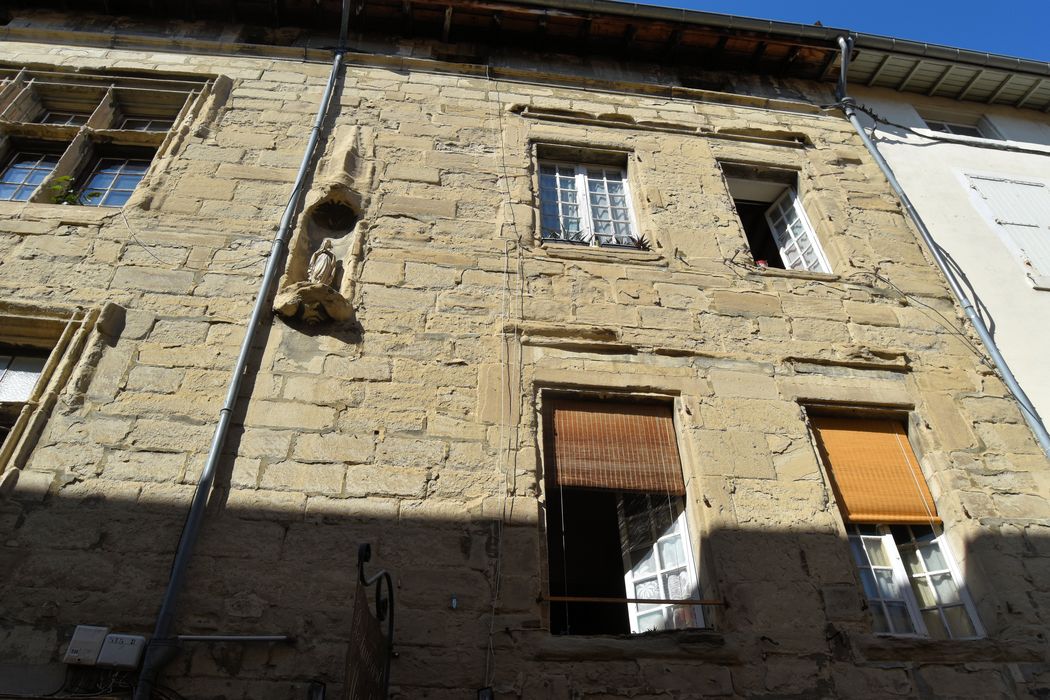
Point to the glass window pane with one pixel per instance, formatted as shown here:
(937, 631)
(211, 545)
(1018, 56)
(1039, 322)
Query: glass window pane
(932, 557)
(924, 592)
(879, 623)
(876, 552)
(934, 624)
(648, 589)
(671, 554)
(18, 380)
(959, 622)
(127, 182)
(911, 562)
(867, 581)
(947, 592)
(900, 620)
(677, 584)
(887, 587)
(642, 561)
(651, 621)
(9, 192)
(116, 198)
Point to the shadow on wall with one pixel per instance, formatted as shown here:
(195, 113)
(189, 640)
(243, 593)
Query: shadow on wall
(274, 563)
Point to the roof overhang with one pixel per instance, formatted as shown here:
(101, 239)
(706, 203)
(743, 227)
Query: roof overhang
(695, 42)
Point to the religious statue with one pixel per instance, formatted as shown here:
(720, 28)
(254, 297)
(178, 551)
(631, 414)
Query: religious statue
(322, 264)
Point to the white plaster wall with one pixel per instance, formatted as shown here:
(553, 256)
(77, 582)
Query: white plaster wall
(934, 175)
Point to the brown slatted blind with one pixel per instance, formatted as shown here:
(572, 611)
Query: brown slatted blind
(621, 446)
(874, 471)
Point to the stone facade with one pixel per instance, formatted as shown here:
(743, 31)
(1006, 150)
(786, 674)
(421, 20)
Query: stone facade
(415, 426)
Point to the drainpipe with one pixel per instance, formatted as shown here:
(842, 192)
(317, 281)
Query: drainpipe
(164, 646)
(847, 103)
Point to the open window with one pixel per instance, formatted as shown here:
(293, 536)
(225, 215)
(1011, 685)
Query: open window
(585, 198)
(779, 234)
(620, 558)
(902, 558)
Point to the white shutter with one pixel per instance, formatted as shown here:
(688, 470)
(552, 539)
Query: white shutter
(1022, 209)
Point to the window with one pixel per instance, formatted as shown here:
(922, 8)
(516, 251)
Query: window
(63, 135)
(586, 205)
(903, 561)
(616, 520)
(112, 181)
(1021, 210)
(959, 124)
(23, 174)
(34, 344)
(18, 376)
(778, 231)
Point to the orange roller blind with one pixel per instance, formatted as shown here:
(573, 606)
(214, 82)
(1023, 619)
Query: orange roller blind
(874, 472)
(621, 446)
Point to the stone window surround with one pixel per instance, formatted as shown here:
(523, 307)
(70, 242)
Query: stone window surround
(696, 526)
(61, 332)
(108, 101)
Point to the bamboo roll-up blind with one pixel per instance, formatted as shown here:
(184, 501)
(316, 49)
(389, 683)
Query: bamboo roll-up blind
(620, 446)
(874, 472)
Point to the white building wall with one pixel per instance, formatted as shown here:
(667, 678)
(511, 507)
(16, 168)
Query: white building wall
(934, 174)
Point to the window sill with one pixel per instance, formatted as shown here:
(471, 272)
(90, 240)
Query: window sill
(793, 274)
(1040, 283)
(65, 213)
(889, 648)
(569, 251)
(688, 644)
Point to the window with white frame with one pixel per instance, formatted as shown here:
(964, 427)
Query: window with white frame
(903, 562)
(62, 133)
(910, 582)
(586, 205)
(959, 124)
(1020, 210)
(778, 232)
(620, 557)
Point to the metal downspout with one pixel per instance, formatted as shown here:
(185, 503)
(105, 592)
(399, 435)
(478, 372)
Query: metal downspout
(164, 645)
(1031, 416)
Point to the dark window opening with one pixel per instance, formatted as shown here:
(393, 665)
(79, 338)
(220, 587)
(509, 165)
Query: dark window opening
(585, 561)
(759, 236)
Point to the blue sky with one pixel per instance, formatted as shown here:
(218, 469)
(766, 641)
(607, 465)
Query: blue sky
(1011, 27)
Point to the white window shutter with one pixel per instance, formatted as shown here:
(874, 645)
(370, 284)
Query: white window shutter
(1022, 209)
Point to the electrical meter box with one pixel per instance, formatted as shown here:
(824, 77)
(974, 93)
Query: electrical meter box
(85, 646)
(121, 650)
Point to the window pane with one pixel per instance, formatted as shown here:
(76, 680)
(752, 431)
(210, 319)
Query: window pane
(887, 587)
(867, 580)
(876, 553)
(934, 624)
(648, 589)
(677, 584)
(924, 592)
(879, 623)
(643, 561)
(899, 618)
(912, 563)
(671, 554)
(18, 380)
(932, 557)
(651, 621)
(947, 592)
(959, 622)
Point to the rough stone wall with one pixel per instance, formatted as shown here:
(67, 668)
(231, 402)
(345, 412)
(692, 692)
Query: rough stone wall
(415, 427)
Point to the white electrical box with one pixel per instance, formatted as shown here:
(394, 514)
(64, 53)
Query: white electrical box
(86, 644)
(121, 650)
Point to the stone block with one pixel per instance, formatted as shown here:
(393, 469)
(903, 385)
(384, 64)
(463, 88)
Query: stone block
(324, 479)
(744, 303)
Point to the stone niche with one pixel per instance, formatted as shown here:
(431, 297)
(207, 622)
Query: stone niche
(317, 284)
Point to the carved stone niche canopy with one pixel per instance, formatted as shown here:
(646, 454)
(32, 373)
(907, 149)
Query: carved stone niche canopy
(318, 279)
